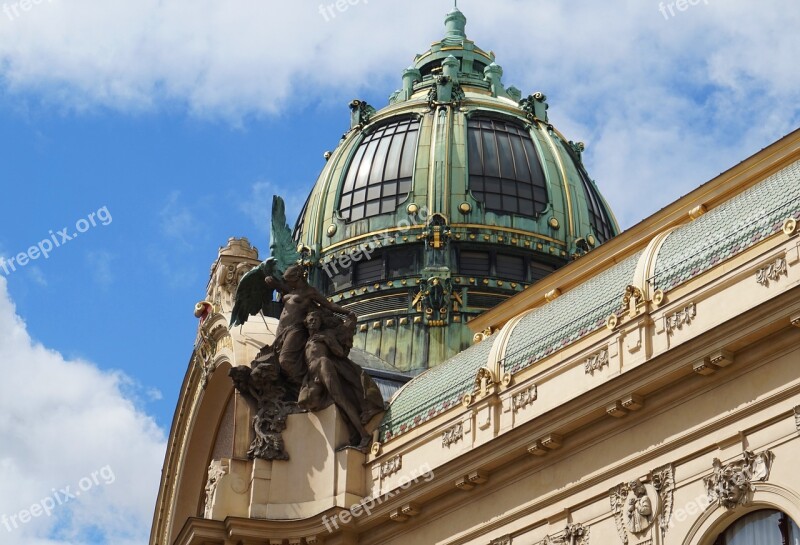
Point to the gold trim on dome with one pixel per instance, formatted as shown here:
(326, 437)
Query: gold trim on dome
(506, 230)
(564, 179)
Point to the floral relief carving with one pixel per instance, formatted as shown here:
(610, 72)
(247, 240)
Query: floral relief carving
(771, 272)
(452, 435)
(597, 361)
(524, 398)
(681, 318)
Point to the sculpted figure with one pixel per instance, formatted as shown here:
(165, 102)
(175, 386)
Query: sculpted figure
(639, 512)
(333, 378)
(290, 339)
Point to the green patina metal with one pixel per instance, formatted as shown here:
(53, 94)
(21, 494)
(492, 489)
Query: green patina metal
(416, 317)
(719, 235)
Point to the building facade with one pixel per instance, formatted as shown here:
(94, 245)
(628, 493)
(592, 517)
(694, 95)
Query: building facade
(645, 391)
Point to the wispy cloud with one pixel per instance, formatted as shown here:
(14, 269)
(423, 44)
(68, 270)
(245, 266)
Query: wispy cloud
(99, 263)
(662, 105)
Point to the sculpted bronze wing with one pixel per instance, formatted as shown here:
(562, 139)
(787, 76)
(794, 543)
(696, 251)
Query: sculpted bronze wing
(253, 294)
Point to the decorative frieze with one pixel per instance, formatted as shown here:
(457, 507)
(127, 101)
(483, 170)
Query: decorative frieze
(771, 272)
(639, 504)
(574, 534)
(597, 361)
(391, 466)
(797, 417)
(732, 485)
(681, 318)
(524, 398)
(452, 435)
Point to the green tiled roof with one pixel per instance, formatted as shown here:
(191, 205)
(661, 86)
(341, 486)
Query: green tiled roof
(728, 229)
(573, 315)
(435, 390)
(688, 251)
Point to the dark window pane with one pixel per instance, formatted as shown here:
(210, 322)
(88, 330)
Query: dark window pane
(474, 263)
(381, 168)
(494, 202)
(369, 271)
(504, 150)
(491, 167)
(510, 267)
(506, 158)
(409, 150)
(402, 262)
(475, 154)
(540, 270)
(521, 160)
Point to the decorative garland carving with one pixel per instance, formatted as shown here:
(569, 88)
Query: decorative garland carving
(771, 272)
(731, 485)
(574, 534)
(453, 435)
(391, 466)
(597, 361)
(683, 317)
(524, 398)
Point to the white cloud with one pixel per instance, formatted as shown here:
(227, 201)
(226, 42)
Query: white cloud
(61, 421)
(662, 103)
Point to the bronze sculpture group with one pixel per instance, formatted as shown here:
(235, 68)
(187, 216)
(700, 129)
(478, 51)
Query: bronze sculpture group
(307, 367)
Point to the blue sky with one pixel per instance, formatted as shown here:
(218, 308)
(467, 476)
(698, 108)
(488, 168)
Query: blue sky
(182, 118)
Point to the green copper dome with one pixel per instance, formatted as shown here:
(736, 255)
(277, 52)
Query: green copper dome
(451, 199)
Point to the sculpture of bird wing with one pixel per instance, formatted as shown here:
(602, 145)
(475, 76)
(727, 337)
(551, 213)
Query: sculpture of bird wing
(282, 246)
(252, 293)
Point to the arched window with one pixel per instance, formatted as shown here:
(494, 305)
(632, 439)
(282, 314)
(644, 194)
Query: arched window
(504, 169)
(379, 176)
(765, 527)
(599, 218)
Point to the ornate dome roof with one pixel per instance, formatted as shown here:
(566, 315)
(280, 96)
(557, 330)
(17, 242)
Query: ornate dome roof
(458, 182)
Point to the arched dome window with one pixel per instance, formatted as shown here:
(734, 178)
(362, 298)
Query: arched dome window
(598, 217)
(504, 169)
(379, 176)
(765, 527)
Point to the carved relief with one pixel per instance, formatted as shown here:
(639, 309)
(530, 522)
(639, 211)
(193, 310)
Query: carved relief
(574, 534)
(505, 540)
(391, 466)
(524, 398)
(639, 504)
(732, 485)
(683, 317)
(771, 272)
(217, 470)
(797, 417)
(452, 435)
(597, 361)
